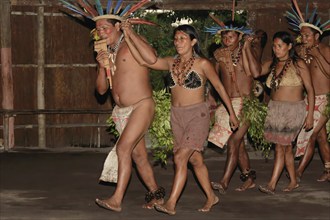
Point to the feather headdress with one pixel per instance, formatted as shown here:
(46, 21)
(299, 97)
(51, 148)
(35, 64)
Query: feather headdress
(112, 11)
(231, 27)
(297, 21)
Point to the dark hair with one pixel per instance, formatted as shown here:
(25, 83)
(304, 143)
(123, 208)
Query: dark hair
(191, 31)
(263, 37)
(287, 39)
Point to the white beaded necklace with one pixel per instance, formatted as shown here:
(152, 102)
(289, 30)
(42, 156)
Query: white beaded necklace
(113, 54)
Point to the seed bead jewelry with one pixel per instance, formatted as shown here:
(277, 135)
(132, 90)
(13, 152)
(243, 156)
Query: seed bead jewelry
(181, 73)
(307, 55)
(235, 58)
(276, 80)
(113, 53)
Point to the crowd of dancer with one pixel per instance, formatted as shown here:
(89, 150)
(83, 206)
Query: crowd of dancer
(298, 79)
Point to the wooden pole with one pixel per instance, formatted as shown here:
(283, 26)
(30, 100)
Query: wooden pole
(41, 77)
(6, 73)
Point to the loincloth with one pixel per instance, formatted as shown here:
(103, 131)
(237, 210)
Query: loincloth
(190, 126)
(221, 131)
(284, 121)
(320, 104)
(120, 116)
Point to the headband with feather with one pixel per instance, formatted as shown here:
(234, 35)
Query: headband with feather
(222, 27)
(112, 11)
(297, 21)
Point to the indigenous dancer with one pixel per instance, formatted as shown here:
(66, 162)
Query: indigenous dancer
(237, 65)
(317, 57)
(190, 117)
(132, 93)
(286, 114)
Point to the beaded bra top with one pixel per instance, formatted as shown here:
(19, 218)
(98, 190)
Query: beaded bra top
(289, 78)
(192, 81)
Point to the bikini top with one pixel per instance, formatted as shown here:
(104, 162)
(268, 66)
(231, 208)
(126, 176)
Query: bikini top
(289, 78)
(192, 81)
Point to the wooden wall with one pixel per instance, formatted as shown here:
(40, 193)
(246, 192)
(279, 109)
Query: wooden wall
(70, 74)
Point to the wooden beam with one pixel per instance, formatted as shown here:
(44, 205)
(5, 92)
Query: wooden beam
(6, 73)
(41, 77)
(196, 4)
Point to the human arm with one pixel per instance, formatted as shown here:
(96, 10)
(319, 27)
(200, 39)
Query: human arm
(307, 80)
(102, 84)
(253, 63)
(212, 76)
(143, 53)
(265, 68)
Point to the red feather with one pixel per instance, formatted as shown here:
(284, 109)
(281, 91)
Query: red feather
(88, 8)
(137, 6)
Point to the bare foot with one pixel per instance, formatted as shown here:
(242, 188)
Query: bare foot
(266, 189)
(165, 209)
(108, 204)
(152, 203)
(248, 184)
(324, 177)
(290, 187)
(220, 187)
(209, 204)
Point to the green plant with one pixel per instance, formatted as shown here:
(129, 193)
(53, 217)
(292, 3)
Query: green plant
(160, 130)
(255, 113)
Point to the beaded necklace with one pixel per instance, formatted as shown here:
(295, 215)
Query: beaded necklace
(115, 48)
(276, 80)
(307, 56)
(181, 73)
(113, 54)
(236, 57)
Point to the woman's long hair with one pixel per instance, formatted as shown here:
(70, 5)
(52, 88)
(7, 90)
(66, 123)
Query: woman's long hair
(287, 39)
(191, 31)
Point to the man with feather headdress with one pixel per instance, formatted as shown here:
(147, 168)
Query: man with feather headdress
(317, 57)
(131, 90)
(237, 66)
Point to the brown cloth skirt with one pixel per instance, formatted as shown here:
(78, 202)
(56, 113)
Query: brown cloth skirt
(284, 121)
(190, 126)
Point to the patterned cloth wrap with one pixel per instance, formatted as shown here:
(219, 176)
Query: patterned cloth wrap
(303, 137)
(110, 168)
(221, 131)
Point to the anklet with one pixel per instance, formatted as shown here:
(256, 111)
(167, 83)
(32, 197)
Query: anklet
(250, 174)
(157, 194)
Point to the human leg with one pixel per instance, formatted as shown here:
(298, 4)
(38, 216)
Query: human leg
(134, 131)
(233, 146)
(181, 157)
(155, 193)
(277, 170)
(319, 135)
(289, 164)
(247, 176)
(202, 175)
(324, 150)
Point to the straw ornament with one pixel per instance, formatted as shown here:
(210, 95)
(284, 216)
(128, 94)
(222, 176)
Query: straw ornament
(297, 21)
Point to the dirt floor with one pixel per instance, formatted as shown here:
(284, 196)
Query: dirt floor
(55, 184)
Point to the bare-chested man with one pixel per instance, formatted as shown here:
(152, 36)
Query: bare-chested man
(237, 67)
(132, 93)
(317, 57)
